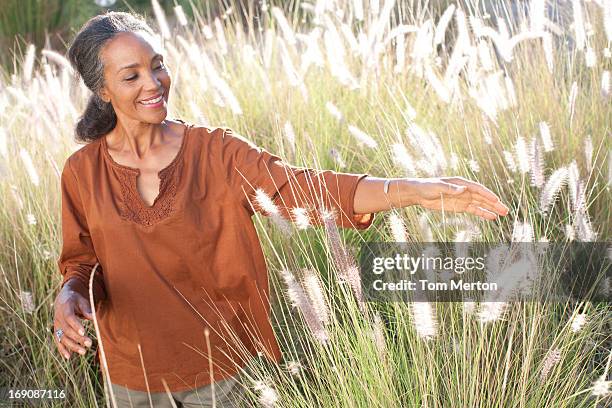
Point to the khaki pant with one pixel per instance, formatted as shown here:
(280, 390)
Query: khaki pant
(228, 394)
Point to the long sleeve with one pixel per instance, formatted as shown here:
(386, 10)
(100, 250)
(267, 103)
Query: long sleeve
(77, 257)
(249, 168)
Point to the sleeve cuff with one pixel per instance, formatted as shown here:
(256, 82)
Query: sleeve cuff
(76, 285)
(82, 287)
(358, 221)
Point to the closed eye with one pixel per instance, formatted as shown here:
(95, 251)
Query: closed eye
(136, 75)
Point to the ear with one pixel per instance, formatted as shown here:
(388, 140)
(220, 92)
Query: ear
(104, 95)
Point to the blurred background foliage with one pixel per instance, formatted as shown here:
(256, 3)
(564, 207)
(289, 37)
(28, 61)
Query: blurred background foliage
(53, 23)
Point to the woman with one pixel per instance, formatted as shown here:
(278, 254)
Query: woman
(165, 208)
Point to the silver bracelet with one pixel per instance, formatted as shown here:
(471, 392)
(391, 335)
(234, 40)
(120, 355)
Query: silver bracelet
(386, 187)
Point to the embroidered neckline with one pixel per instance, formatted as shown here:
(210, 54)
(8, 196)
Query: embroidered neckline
(133, 207)
(163, 171)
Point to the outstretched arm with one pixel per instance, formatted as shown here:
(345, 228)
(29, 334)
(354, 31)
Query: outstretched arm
(453, 194)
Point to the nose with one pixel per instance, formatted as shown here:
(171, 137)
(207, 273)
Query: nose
(153, 82)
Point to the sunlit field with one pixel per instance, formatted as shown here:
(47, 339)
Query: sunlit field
(518, 100)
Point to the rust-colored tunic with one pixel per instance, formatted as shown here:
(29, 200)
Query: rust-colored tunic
(192, 260)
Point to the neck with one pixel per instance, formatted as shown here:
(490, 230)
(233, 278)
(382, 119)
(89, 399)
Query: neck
(137, 138)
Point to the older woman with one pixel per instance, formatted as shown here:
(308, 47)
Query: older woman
(164, 207)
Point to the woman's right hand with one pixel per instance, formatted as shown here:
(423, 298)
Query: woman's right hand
(68, 307)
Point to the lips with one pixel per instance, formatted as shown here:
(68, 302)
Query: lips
(151, 98)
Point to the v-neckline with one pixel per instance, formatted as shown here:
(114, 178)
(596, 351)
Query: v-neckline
(161, 174)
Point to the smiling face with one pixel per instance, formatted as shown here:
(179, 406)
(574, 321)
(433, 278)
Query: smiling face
(134, 72)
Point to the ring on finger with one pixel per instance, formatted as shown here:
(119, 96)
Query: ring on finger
(59, 333)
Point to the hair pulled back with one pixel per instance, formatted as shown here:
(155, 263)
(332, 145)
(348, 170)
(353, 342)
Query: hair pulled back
(99, 117)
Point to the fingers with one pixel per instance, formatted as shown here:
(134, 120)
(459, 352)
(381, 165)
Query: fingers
(481, 212)
(71, 340)
(74, 330)
(483, 196)
(72, 345)
(486, 205)
(61, 348)
(482, 193)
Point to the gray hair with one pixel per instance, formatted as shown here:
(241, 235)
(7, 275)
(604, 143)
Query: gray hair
(99, 117)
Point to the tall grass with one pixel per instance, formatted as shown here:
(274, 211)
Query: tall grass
(393, 90)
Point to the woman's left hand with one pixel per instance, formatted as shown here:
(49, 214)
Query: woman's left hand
(456, 194)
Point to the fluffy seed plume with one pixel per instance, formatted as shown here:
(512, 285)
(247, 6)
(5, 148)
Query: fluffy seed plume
(289, 134)
(522, 154)
(491, 311)
(578, 322)
(576, 186)
(31, 219)
(538, 8)
(550, 360)
(28, 63)
(378, 333)
(469, 306)
(339, 253)
(294, 367)
(267, 395)
(58, 59)
(601, 387)
(345, 264)
(605, 84)
(522, 232)
(29, 166)
(536, 164)
(570, 233)
(588, 153)
(354, 280)
(314, 289)
(590, 58)
(547, 44)
(402, 158)
(264, 202)
(160, 16)
(443, 24)
(474, 166)
(551, 188)
(424, 320)
(512, 278)
(358, 9)
(607, 15)
(180, 15)
(288, 33)
(362, 137)
(584, 227)
(4, 152)
(300, 301)
(334, 111)
(546, 138)
(509, 159)
(397, 227)
(220, 34)
(579, 29)
(27, 303)
(454, 161)
(300, 216)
